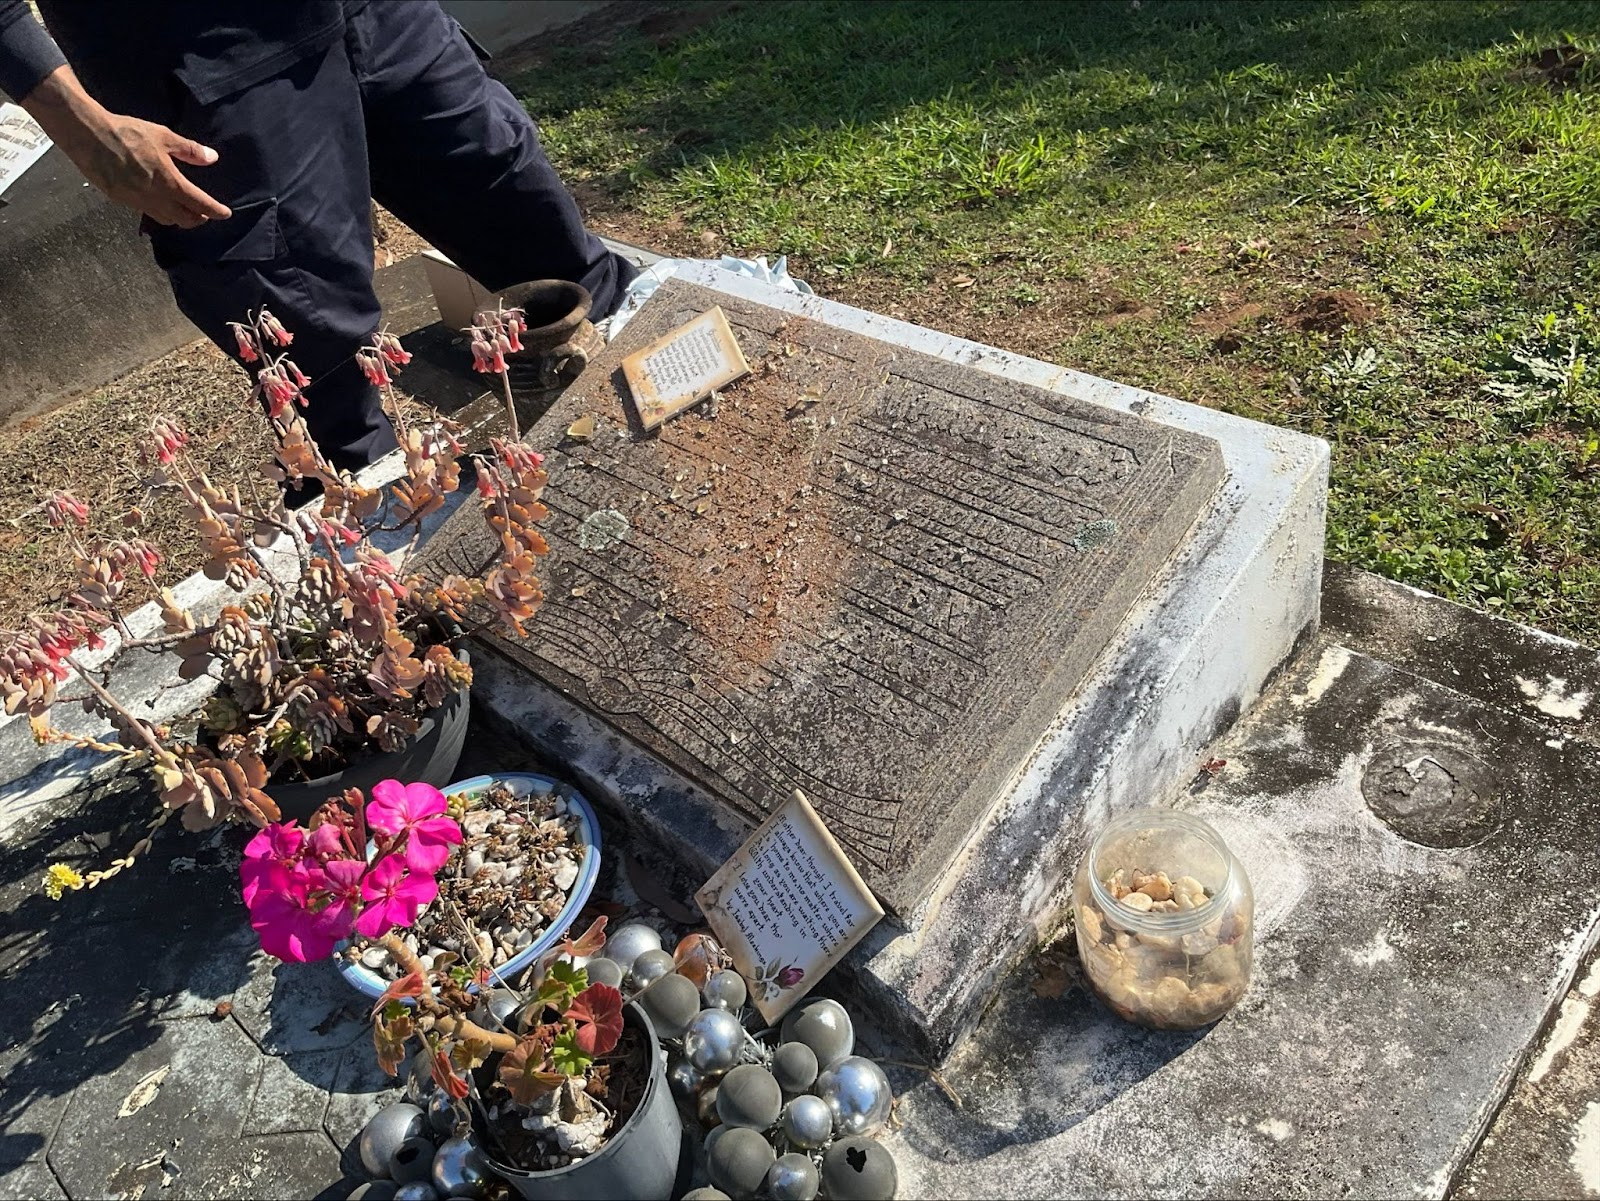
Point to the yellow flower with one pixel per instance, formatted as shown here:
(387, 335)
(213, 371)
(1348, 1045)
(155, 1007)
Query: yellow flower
(59, 878)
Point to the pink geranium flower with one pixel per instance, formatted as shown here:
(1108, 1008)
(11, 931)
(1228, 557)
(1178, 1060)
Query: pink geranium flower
(340, 885)
(325, 842)
(271, 860)
(417, 810)
(288, 926)
(393, 897)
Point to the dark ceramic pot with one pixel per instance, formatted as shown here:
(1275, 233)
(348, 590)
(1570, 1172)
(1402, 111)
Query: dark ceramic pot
(553, 309)
(430, 757)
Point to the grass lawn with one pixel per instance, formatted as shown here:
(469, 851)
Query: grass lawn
(1374, 222)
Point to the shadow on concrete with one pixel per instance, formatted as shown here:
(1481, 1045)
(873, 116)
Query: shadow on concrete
(88, 980)
(1041, 1050)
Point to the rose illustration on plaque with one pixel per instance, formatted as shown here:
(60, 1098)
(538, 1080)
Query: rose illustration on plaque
(776, 977)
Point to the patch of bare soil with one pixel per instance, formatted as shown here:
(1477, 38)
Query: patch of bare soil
(1556, 66)
(392, 239)
(1330, 312)
(763, 558)
(1125, 309)
(592, 35)
(1226, 324)
(89, 447)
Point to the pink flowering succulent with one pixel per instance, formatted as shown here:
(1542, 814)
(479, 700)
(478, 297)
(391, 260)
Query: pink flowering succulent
(327, 653)
(496, 333)
(307, 890)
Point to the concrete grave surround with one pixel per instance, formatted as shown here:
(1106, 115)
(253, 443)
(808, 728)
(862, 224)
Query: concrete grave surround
(1176, 666)
(874, 575)
(71, 260)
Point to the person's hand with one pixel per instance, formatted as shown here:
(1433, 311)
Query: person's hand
(132, 161)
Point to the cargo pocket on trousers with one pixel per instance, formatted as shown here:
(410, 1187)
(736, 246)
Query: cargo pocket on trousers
(250, 235)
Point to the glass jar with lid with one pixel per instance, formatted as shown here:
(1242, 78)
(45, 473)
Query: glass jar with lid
(1165, 920)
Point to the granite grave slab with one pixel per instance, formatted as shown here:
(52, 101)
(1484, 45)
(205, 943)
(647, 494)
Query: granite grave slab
(862, 571)
(1229, 607)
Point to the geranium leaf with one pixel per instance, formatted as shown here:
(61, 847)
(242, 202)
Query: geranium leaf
(573, 980)
(470, 1053)
(588, 944)
(568, 1056)
(389, 1037)
(523, 1072)
(445, 1077)
(597, 1010)
(409, 985)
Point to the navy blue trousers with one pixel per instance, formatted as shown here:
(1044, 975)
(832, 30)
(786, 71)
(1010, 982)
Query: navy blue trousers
(400, 109)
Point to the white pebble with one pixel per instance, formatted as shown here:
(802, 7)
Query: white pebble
(566, 873)
(374, 958)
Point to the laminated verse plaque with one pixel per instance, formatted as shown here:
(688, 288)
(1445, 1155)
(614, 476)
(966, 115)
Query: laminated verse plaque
(683, 368)
(787, 906)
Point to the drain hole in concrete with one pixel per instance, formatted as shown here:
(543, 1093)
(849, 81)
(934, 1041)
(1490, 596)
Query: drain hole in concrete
(1432, 795)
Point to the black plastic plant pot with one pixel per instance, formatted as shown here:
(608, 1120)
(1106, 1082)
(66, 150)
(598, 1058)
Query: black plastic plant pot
(640, 1161)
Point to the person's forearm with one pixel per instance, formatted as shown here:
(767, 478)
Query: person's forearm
(130, 160)
(65, 111)
(27, 53)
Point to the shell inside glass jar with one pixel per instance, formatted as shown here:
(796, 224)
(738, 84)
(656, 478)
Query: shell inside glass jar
(1164, 917)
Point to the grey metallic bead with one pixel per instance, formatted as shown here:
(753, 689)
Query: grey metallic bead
(461, 1169)
(629, 941)
(384, 1132)
(858, 1095)
(807, 1122)
(713, 1042)
(793, 1178)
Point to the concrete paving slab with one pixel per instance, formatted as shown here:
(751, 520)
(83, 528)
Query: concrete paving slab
(292, 1096)
(361, 1088)
(1545, 1142)
(290, 1007)
(110, 1142)
(30, 1182)
(273, 1167)
(26, 1133)
(1398, 983)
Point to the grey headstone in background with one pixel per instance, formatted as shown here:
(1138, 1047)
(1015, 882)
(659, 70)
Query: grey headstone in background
(872, 575)
(81, 300)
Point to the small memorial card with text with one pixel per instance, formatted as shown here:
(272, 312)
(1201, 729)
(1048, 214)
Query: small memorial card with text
(22, 142)
(683, 367)
(787, 906)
